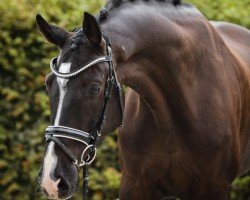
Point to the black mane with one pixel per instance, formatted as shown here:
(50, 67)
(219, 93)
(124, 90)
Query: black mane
(111, 4)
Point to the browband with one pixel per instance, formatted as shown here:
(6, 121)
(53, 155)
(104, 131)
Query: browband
(84, 67)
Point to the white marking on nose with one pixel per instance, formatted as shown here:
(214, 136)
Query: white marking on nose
(49, 165)
(64, 68)
(50, 159)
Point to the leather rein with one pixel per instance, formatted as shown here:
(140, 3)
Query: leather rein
(90, 139)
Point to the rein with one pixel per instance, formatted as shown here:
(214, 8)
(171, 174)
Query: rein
(90, 139)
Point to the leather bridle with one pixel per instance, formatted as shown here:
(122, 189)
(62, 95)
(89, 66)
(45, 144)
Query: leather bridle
(90, 139)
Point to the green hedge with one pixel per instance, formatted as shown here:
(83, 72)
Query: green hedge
(24, 108)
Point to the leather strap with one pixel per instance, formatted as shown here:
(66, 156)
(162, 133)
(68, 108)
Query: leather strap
(71, 133)
(53, 67)
(63, 147)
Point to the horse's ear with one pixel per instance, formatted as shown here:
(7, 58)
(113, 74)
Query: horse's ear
(52, 33)
(91, 29)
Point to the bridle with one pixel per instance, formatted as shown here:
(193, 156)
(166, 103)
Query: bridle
(90, 139)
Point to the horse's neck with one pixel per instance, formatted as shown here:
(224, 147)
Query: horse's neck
(157, 57)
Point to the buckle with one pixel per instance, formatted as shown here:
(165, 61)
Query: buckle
(89, 159)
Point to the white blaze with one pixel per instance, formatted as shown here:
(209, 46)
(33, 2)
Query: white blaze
(50, 159)
(49, 166)
(64, 68)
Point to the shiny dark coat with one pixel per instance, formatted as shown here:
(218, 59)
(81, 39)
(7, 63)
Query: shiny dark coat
(186, 126)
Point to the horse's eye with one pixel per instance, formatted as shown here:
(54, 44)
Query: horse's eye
(94, 90)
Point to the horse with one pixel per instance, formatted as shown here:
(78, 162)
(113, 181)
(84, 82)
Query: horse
(184, 123)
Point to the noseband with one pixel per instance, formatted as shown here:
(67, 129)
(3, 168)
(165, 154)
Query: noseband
(90, 139)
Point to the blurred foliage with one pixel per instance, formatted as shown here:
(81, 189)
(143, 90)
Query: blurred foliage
(24, 108)
(225, 10)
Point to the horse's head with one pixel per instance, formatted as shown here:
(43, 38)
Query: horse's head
(83, 91)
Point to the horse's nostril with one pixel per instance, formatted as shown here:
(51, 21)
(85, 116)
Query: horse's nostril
(63, 185)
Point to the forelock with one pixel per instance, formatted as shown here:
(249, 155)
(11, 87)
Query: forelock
(78, 38)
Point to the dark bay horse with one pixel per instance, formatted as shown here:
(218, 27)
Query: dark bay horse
(186, 121)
